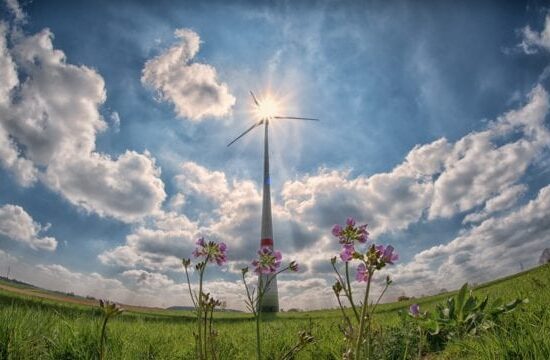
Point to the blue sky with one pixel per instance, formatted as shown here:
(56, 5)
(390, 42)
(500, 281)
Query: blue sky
(114, 121)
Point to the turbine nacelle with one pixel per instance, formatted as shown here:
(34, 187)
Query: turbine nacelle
(266, 110)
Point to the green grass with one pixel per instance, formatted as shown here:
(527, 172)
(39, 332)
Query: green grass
(32, 328)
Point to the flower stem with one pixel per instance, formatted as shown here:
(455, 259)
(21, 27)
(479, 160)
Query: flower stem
(420, 341)
(349, 292)
(200, 309)
(343, 312)
(379, 298)
(258, 319)
(199, 318)
(102, 340)
(363, 317)
(189, 286)
(205, 333)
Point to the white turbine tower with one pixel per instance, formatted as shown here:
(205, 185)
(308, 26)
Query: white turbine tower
(266, 111)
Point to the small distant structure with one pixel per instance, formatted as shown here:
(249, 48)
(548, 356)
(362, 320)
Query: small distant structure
(545, 257)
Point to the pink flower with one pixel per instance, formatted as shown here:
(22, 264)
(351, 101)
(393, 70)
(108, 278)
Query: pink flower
(268, 261)
(347, 252)
(350, 233)
(212, 251)
(362, 234)
(386, 254)
(414, 310)
(336, 230)
(362, 273)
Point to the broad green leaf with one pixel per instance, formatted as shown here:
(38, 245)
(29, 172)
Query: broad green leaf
(460, 299)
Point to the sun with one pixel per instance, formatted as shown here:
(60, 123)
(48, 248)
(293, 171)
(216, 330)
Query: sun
(268, 107)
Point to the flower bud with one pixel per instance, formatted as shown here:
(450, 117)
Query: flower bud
(293, 266)
(337, 288)
(186, 262)
(333, 260)
(110, 308)
(244, 270)
(306, 337)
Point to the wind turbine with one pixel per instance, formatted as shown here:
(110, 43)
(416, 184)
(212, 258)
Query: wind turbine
(266, 113)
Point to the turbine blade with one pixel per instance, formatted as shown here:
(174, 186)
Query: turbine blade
(246, 132)
(294, 118)
(254, 98)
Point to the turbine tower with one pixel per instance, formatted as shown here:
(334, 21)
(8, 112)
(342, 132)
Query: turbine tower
(266, 110)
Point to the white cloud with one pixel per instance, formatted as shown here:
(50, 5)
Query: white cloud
(387, 201)
(49, 120)
(148, 280)
(197, 179)
(76, 282)
(127, 188)
(477, 169)
(8, 72)
(502, 201)
(15, 8)
(192, 87)
(493, 249)
(533, 40)
(310, 293)
(176, 202)
(439, 179)
(10, 156)
(115, 120)
(160, 246)
(16, 224)
(232, 216)
(146, 292)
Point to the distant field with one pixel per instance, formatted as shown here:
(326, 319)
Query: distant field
(37, 324)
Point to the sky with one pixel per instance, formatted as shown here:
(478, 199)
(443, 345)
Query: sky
(115, 116)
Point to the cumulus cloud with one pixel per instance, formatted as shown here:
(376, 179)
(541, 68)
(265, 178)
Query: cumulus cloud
(193, 88)
(439, 179)
(147, 279)
(17, 225)
(133, 287)
(10, 155)
(231, 216)
(387, 201)
(533, 41)
(502, 201)
(129, 289)
(489, 250)
(477, 169)
(159, 246)
(127, 188)
(49, 120)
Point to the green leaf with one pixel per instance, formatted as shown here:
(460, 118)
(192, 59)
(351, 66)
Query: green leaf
(481, 306)
(469, 306)
(450, 310)
(497, 303)
(432, 327)
(460, 299)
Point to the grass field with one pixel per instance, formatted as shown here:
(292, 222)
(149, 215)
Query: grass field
(41, 325)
